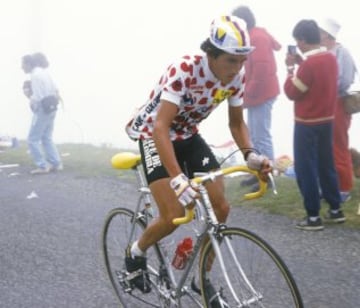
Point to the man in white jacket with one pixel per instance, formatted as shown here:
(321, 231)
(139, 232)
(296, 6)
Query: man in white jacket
(42, 148)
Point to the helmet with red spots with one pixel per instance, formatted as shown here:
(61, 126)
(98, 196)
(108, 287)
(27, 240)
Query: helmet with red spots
(229, 33)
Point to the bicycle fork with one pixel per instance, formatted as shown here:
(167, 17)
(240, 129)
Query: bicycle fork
(240, 303)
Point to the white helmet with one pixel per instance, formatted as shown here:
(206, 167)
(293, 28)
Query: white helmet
(229, 33)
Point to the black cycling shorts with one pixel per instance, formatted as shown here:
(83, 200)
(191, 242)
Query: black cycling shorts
(193, 155)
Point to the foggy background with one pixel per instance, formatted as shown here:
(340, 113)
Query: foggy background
(105, 56)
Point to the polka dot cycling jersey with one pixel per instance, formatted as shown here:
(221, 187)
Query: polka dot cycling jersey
(190, 84)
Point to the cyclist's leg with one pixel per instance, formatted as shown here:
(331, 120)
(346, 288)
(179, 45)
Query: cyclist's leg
(220, 206)
(169, 208)
(160, 227)
(221, 209)
(200, 158)
(216, 191)
(121, 226)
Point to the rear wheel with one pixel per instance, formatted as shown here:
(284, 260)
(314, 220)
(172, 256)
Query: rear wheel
(118, 231)
(265, 282)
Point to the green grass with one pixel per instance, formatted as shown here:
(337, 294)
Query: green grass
(88, 160)
(288, 201)
(85, 159)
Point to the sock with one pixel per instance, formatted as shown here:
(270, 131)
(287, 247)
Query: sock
(313, 218)
(334, 211)
(136, 251)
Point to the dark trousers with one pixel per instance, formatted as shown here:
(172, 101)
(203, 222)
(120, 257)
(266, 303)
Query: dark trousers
(314, 166)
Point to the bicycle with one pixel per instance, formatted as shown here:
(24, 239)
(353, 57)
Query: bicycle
(245, 270)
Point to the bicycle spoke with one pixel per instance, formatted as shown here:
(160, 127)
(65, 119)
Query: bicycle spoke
(118, 229)
(252, 270)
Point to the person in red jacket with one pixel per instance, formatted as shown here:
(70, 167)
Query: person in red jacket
(329, 29)
(262, 86)
(313, 88)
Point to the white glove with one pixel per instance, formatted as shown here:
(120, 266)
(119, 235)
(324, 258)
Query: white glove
(255, 161)
(184, 189)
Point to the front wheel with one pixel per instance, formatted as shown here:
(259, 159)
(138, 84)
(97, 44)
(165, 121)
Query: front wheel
(253, 274)
(122, 227)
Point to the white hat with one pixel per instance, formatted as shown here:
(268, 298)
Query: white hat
(330, 26)
(229, 34)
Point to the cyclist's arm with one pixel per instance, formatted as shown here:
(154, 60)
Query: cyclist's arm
(241, 137)
(238, 128)
(166, 113)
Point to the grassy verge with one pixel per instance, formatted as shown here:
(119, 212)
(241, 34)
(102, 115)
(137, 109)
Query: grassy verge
(288, 201)
(85, 159)
(89, 160)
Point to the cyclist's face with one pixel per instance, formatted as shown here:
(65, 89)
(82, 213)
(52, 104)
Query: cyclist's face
(226, 66)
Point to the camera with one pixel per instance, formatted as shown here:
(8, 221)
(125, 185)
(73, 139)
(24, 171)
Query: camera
(292, 49)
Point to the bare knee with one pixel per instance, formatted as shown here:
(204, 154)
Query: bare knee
(222, 210)
(170, 216)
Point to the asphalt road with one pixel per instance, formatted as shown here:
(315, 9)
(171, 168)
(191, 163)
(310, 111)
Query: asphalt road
(51, 251)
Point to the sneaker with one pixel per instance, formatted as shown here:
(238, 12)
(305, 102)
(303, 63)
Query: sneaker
(40, 171)
(215, 300)
(57, 168)
(138, 275)
(345, 196)
(338, 217)
(309, 225)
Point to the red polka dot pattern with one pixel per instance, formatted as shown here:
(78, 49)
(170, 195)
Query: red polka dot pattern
(190, 85)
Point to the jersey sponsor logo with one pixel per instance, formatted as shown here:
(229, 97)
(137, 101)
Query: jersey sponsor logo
(152, 158)
(221, 95)
(152, 105)
(205, 161)
(187, 100)
(138, 122)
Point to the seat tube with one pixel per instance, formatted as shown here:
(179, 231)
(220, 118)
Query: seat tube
(207, 205)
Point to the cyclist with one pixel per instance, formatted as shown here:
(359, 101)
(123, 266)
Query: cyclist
(171, 147)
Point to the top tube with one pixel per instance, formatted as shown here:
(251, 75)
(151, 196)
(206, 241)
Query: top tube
(189, 213)
(129, 160)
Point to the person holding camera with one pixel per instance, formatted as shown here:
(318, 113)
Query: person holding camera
(313, 88)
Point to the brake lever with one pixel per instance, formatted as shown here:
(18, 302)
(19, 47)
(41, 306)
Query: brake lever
(271, 178)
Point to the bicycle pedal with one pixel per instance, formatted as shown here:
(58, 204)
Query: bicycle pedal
(133, 275)
(122, 280)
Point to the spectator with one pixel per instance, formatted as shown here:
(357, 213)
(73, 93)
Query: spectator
(166, 128)
(42, 148)
(313, 90)
(262, 86)
(329, 29)
(27, 88)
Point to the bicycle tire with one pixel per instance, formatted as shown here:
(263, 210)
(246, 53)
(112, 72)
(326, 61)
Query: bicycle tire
(115, 238)
(263, 267)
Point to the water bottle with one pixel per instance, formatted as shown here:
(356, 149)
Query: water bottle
(183, 251)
